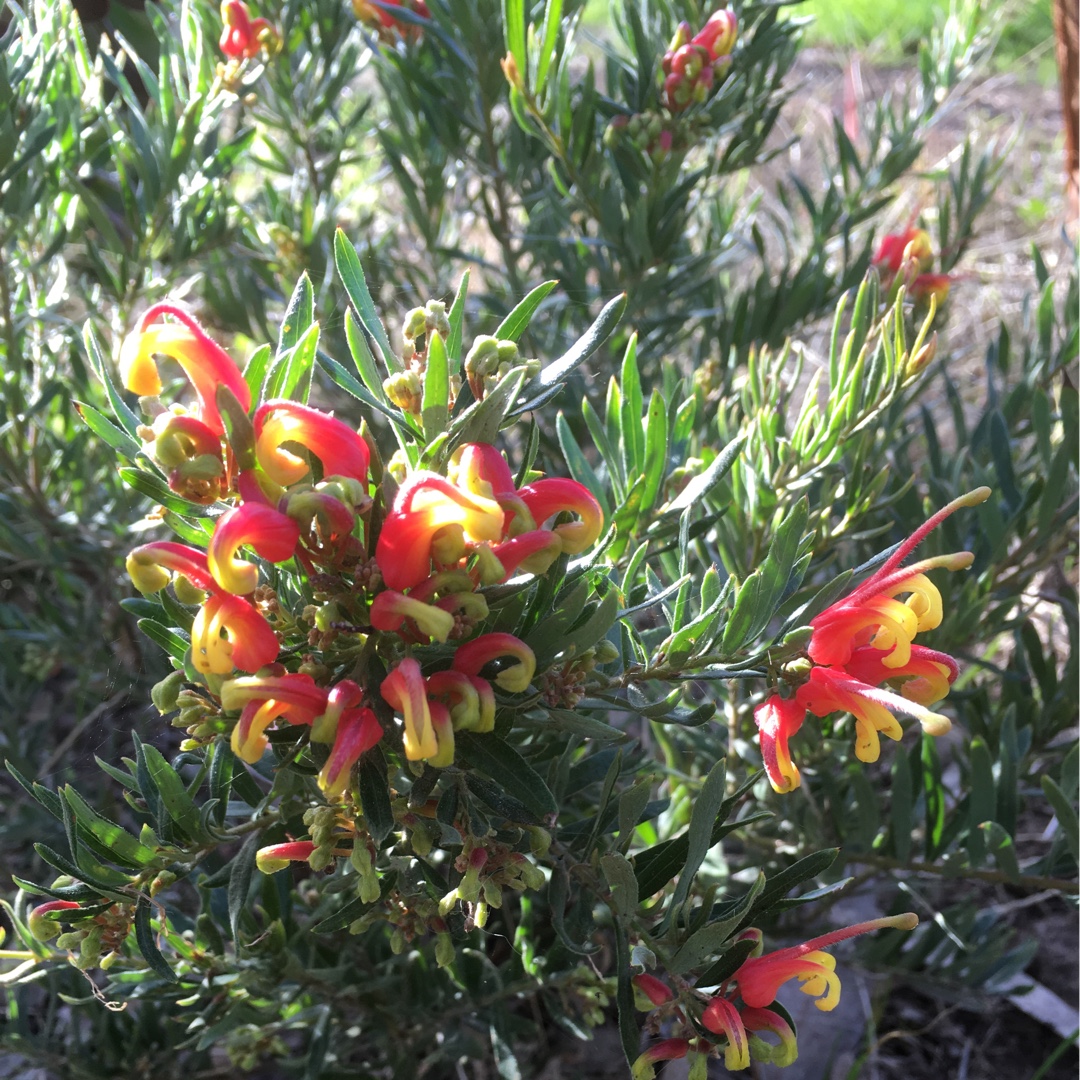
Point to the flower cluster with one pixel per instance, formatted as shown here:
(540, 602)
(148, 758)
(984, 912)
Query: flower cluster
(906, 258)
(745, 1006)
(689, 71)
(93, 941)
(293, 485)
(861, 658)
(242, 37)
(692, 64)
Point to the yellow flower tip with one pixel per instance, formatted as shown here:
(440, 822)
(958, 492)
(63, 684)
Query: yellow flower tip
(936, 725)
(908, 921)
(138, 372)
(973, 498)
(788, 782)
(147, 577)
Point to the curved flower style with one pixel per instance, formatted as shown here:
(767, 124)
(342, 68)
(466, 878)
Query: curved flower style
(229, 632)
(832, 690)
(871, 615)
(242, 36)
(248, 740)
(358, 731)
(191, 451)
(323, 519)
(338, 447)
(469, 698)
(303, 700)
(866, 640)
(390, 610)
(760, 977)
(546, 498)
(272, 534)
(342, 696)
(777, 720)
(149, 566)
(41, 926)
(665, 1050)
(474, 655)
(782, 1053)
(482, 470)
(206, 364)
(722, 1018)
(404, 690)
(276, 857)
(425, 505)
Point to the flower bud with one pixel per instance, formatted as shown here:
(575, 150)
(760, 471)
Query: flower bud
(165, 693)
(444, 950)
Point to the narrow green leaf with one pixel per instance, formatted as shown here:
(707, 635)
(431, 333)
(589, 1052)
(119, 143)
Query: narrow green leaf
(633, 403)
(175, 799)
(704, 942)
(434, 408)
(934, 796)
(299, 315)
(504, 764)
(243, 868)
(579, 466)
(456, 318)
(103, 880)
(982, 799)
(1066, 815)
(174, 643)
(352, 276)
(144, 938)
(779, 885)
(362, 357)
(153, 488)
(655, 451)
(124, 847)
(129, 422)
(256, 369)
(517, 322)
(290, 376)
(546, 385)
(901, 809)
(514, 29)
(620, 878)
(699, 835)
(375, 795)
(629, 1035)
(700, 486)
(105, 429)
(1002, 848)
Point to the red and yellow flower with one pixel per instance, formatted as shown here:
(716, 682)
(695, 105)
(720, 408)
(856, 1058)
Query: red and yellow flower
(242, 37)
(206, 364)
(340, 450)
(864, 660)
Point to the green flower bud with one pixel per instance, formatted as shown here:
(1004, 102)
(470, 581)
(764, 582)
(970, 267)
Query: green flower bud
(165, 693)
(162, 881)
(415, 324)
(444, 950)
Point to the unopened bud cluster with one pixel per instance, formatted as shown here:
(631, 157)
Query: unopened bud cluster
(689, 72)
(490, 359)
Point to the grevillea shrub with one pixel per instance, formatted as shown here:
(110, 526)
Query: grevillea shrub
(509, 691)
